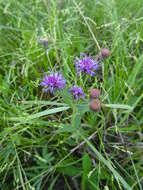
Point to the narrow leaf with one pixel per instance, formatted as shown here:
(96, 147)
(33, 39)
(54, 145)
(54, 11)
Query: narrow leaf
(107, 164)
(118, 106)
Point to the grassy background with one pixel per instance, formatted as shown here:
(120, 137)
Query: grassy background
(44, 143)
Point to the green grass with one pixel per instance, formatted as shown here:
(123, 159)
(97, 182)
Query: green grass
(54, 143)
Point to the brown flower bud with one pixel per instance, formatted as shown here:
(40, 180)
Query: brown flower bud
(95, 105)
(104, 52)
(94, 93)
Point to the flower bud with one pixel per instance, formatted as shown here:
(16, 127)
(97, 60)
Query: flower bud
(95, 105)
(104, 52)
(94, 93)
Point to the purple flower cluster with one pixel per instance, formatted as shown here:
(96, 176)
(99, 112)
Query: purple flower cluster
(53, 81)
(77, 91)
(86, 65)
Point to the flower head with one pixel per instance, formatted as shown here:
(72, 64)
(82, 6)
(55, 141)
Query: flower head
(53, 81)
(86, 65)
(77, 91)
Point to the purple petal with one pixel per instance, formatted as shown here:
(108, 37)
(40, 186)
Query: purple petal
(53, 81)
(77, 92)
(87, 65)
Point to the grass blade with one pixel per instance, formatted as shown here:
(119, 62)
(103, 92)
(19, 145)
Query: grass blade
(48, 112)
(107, 163)
(39, 114)
(119, 106)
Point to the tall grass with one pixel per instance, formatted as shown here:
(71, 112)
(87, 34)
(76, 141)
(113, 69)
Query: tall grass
(53, 142)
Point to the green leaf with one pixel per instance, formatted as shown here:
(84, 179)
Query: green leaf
(86, 166)
(66, 128)
(135, 71)
(39, 114)
(48, 112)
(107, 164)
(76, 119)
(78, 111)
(67, 97)
(51, 187)
(83, 108)
(70, 170)
(42, 102)
(119, 106)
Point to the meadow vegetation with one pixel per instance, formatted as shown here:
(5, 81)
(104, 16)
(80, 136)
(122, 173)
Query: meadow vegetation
(55, 142)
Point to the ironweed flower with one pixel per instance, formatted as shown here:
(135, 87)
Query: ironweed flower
(86, 65)
(77, 92)
(54, 81)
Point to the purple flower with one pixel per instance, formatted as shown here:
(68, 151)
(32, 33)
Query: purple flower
(77, 91)
(53, 81)
(86, 65)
